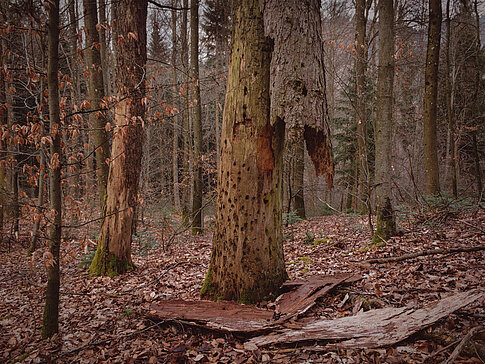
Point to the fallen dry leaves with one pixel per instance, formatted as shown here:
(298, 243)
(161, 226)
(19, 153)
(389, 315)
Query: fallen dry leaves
(102, 318)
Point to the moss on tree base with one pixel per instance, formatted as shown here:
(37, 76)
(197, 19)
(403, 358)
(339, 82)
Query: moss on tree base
(386, 223)
(107, 264)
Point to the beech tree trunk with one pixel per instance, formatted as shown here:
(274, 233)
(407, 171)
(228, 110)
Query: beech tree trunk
(97, 117)
(360, 104)
(386, 224)
(449, 107)
(175, 140)
(50, 322)
(187, 182)
(430, 99)
(196, 118)
(104, 48)
(297, 151)
(477, 111)
(113, 255)
(247, 261)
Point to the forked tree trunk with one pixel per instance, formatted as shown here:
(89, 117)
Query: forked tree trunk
(113, 255)
(196, 118)
(50, 322)
(247, 261)
(430, 99)
(386, 224)
(97, 117)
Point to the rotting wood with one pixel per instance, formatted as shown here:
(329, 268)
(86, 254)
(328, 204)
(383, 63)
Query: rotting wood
(424, 253)
(233, 317)
(374, 328)
(298, 301)
(223, 315)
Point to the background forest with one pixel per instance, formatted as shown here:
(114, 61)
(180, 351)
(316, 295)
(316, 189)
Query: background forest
(173, 108)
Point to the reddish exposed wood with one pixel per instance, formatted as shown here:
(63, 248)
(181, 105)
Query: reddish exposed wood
(425, 253)
(224, 315)
(300, 300)
(374, 328)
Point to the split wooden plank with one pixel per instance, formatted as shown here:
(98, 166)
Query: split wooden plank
(223, 316)
(236, 318)
(296, 302)
(374, 328)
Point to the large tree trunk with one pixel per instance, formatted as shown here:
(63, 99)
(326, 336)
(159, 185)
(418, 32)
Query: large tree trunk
(247, 261)
(113, 255)
(196, 118)
(430, 99)
(298, 77)
(50, 322)
(175, 140)
(97, 117)
(386, 225)
(360, 104)
(449, 107)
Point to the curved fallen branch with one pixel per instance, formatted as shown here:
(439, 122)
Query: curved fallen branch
(423, 253)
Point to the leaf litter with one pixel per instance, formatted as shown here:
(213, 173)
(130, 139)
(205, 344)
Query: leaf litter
(104, 319)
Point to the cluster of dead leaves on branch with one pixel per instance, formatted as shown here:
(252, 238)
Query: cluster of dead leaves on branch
(105, 319)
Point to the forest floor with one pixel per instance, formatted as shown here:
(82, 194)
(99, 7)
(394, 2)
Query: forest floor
(102, 319)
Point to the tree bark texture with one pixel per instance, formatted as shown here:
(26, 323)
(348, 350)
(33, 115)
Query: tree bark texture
(449, 107)
(360, 104)
(104, 48)
(97, 117)
(247, 261)
(477, 111)
(298, 76)
(50, 322)
(430, 99)
(113, 255)
(386, 224)
(196, 118)
(175, 140)
(297, 158)
(186, 208)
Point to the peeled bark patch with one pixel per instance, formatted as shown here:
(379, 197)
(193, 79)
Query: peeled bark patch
(297, 84)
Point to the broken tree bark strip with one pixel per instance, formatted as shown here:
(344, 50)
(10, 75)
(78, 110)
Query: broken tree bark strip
(298, 301)
(236, 318)
(374, 328)
(424, 253)
(225, 315)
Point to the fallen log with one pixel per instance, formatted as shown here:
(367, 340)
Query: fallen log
(374, 328)
(247, 319)
(422, 254)
(220, 316)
